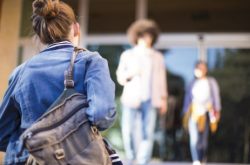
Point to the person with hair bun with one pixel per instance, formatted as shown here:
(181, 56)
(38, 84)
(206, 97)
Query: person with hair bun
(142, 73)
(37, 83)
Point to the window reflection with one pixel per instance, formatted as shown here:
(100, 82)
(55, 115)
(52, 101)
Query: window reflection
(180, 61)
(231, 69)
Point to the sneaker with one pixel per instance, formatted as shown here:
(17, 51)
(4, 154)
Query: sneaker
(196, 162)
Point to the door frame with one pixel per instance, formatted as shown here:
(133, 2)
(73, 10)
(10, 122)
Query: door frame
(202, 41)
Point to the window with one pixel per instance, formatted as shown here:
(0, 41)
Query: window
(110, 16)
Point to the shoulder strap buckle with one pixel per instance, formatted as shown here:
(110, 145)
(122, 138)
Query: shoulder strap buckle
(68, 74)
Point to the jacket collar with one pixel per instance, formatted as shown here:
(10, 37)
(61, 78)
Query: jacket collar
(59, 45)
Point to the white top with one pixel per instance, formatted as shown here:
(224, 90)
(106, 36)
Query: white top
(145, 65)
(201, 95)
(142, 73)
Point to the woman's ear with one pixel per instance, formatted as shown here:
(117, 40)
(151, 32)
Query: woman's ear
(76, 29)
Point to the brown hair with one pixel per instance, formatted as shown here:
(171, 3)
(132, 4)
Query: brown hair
(200, 62)
(142, 27)
(51, 20)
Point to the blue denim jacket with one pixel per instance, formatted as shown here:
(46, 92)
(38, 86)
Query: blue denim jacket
(35, 85)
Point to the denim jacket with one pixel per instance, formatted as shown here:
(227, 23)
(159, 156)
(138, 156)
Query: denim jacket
(35, 85)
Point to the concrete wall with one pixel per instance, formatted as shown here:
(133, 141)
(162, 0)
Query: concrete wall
(9, 41)
(1, 2)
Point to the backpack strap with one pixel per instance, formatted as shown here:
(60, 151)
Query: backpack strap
(68, 74)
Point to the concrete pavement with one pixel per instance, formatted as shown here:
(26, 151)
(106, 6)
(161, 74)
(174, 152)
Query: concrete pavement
(157, 162)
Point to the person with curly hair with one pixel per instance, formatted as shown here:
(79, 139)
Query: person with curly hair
(142, 73)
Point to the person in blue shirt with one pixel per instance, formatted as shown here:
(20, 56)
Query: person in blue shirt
(36, 84)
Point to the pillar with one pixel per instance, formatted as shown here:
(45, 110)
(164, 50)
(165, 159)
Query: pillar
(83, 11)
(141, 9)
(9, 40)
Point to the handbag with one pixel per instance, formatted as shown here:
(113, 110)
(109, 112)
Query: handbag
(131, 95)
(63, 135)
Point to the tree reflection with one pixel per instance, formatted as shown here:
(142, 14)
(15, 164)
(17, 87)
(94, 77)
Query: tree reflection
(231, 142)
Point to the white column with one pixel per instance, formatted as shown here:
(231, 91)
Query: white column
(83, 17)
(141, 9)
(202, 48)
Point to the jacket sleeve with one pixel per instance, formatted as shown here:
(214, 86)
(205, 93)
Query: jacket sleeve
(122, 72)
(9, 115)
(100, 93)
(216, 94)
(163, 76)
(187, 99)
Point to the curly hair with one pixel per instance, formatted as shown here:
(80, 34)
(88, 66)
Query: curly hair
(142, 27)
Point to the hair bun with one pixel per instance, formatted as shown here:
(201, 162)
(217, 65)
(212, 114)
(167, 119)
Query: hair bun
(46, 8)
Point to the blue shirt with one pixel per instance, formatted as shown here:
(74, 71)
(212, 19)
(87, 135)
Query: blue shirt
(36, 84)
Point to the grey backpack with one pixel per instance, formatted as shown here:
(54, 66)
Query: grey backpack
(63, 135)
